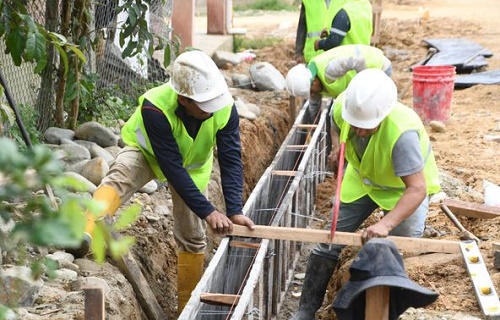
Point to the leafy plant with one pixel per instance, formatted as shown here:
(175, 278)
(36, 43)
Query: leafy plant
(49, 219)
(29, 115)
(7, 116)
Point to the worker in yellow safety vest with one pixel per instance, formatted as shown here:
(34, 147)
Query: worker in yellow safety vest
(390, 165)
(325, 24)
(171, 137)
(330, 72)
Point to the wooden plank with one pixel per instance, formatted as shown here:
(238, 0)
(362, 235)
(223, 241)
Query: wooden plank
(344, 238)
(220, 299)
(308, 126)
(377, 303)
(472, 210)
(284, 173)
(243, 244)
(94, 304)
(130, 268)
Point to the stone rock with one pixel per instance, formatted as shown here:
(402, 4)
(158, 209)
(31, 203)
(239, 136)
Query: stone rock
(266, 77)
(96, 151)
(242, 81)
(494, 138)
(223, 58)
(437, 126)
(54, 135)
(93, 282)
(87, 185)
(72, 153)
(253, 108)
(94, 170)
(94, 131)
(17, 287)
(66, 274)
(62, 258)
(149, 187)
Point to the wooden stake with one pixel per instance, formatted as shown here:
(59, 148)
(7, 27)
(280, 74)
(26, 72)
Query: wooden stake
(377, 303)
(94, 304)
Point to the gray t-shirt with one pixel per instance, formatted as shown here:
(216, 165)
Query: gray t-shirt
(407, 158)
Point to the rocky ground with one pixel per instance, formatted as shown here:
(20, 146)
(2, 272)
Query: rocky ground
(465, 157)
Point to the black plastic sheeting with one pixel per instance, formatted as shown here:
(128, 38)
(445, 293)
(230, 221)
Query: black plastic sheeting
(464, 54)
(468, 57)
(468, 80)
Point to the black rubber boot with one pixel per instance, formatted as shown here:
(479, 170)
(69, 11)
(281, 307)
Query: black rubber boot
(318, 274)
(83, 249)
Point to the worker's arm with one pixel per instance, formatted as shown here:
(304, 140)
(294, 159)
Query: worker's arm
(333, 157)
(408, 164)
(300, 38)
(412, 197)
(338, 31)
(231, 169)
(170, 160)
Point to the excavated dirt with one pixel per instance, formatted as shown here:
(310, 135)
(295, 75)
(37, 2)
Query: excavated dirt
(461, 151)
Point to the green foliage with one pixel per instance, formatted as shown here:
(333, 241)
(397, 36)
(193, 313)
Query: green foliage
(40, 220)
(29, 116)
(134, 34)
(241, 43)
(105, 235)
(26, 40)
(6, 114)
(37, 220)
(108, 104)
(269, 5)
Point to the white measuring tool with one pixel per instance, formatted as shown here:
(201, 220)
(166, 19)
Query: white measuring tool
(483, 286)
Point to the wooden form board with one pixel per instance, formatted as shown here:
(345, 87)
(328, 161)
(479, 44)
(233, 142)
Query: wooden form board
(377, 14)
(344, 238)
(472, 210)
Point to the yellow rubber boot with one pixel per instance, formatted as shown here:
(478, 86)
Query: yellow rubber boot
(189, 272)
(109, 196)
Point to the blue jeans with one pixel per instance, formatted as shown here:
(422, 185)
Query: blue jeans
(352, 215)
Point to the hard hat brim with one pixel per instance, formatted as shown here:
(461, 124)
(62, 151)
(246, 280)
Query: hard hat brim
(366, 124)
(216, 103)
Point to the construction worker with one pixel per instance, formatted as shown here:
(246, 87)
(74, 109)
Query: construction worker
(329, 73)
(325, 24)
(390, 165)
(171, 136)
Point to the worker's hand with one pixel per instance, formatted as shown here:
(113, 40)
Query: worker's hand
(300, 59)
(219, 223)
(333, 160)
(243, 220)
(316, 45)
(378, 230)
(324, 33)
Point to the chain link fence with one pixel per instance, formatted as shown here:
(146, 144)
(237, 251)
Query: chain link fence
(117, 82)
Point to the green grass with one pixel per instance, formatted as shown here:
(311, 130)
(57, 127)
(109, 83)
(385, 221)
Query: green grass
(241, 43)
(268, 5)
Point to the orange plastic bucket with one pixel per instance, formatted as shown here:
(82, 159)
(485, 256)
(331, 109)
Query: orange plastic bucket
(433, 91)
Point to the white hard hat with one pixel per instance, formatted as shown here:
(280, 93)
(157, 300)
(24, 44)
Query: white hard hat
(298, 81)
(369, 98)
(196, 76)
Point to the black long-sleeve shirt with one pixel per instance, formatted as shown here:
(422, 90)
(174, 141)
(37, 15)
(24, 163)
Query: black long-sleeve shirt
(340, 22)
(169, 158)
